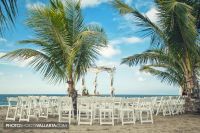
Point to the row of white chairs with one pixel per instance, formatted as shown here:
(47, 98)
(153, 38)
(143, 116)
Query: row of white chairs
(105, 110)
(36, 107)
(127, 110)
(169, 105)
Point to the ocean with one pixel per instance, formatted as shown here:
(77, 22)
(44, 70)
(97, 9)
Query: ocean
(3, 97)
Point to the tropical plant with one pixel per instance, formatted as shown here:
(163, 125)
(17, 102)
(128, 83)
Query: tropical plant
(8, 11)
(158, 63)
(175, 31)
(64, 47)
(195, 4)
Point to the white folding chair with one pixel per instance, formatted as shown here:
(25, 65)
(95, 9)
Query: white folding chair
(44, 107)
(166, 106)
(12, 108)
(180, 105)
(145, 107)
(53, 105)
(154, 104)
(96, 109)
(107, 112)
(34, 107)
(127, 112)
(65, 109)
(85, 111)
(117, 101)
(25, 107)
(159, 105)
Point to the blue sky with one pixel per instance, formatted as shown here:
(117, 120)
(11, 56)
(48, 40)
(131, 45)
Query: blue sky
(16, 77)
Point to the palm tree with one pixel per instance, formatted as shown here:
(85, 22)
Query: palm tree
(64, 47)
(195, 4)
(158, 63)
(8, 11)
(175, 31)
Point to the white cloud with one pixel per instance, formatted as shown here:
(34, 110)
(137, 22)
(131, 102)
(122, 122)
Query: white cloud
(107, 63)
(37, 4)
(84, 3)
(92, 3)
(109, 51)
(112, 48)
(129, 2)
(16, 62)
(95, 23)
(152, 14)
(143, 4)
(2, 54)
(1, 73)
(2, 40)
(23, 63)
(19, 75)
(126, 22)
(141, 79)
(128, 17)
(126, 40)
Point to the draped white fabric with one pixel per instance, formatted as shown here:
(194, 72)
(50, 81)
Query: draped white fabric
(97, 70)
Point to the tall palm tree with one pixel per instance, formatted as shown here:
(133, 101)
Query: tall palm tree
(195, 4)
(174, 31)
(64, 46)
(8, 11)
(158, 63)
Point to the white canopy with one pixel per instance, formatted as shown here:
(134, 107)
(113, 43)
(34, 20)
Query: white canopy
(97, 70)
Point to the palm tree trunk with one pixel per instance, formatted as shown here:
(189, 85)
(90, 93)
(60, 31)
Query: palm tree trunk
(196, 86)
(190, 84)
(70, 86)
(188, 69)
(72, 93)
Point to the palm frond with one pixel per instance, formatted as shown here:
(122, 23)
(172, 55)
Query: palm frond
(86, 50)
(179, 25)
(149, 56)
(8, 11)
(68, 46)
(164, 76)
(34, 41)
(40, 62)
(148, 28)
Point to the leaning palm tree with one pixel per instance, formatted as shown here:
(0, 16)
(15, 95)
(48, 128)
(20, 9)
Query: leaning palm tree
(63, 46)
(174, 31)
(158, 63)
(195, 4)
(8, 11)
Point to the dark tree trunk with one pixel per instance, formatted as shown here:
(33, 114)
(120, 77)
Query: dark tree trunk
(73, 94)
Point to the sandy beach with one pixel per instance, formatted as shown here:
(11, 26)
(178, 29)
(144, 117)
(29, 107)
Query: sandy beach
(186, 123)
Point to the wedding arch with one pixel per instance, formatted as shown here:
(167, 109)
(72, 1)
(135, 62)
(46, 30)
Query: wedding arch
(97, 70)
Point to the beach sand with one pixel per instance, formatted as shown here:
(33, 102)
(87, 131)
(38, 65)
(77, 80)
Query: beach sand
(186, 123)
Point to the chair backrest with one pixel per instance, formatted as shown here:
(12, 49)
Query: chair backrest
(23, 101)
(107, 103)
(65, 102)
(33, 101)
(44, 101)
(145, 102)
(85, 103)
(127, 103)
(181, 100)
(53, 100)
(13, 101)
(166, 101)
(117, 101)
